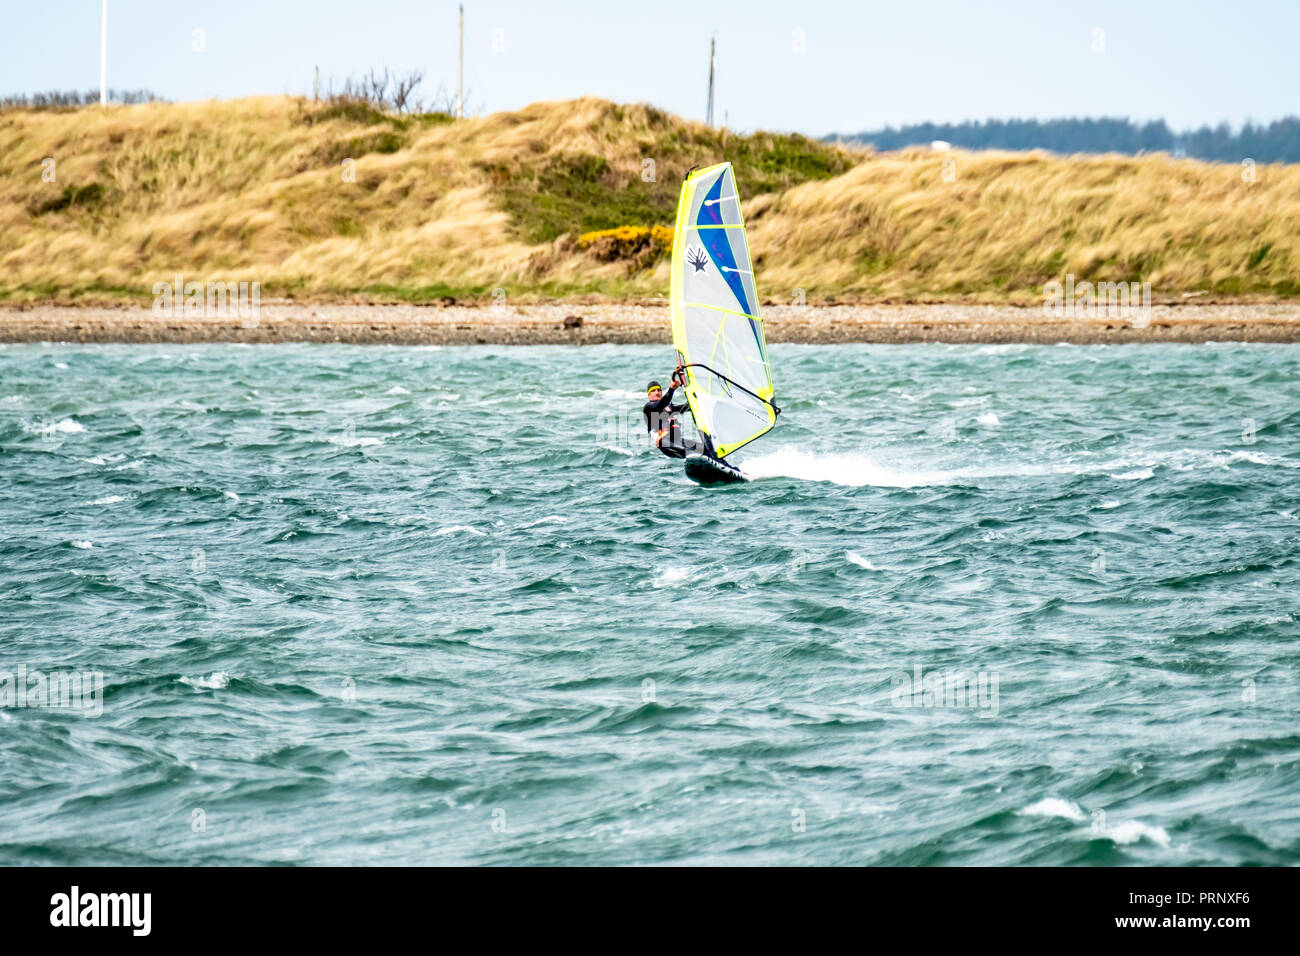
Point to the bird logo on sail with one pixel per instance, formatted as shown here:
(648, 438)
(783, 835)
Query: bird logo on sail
(697, 258)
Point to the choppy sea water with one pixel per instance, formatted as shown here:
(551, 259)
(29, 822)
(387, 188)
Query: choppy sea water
(981, 605)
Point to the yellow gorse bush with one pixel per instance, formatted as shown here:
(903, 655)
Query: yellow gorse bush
(641, 244)
(634, 237)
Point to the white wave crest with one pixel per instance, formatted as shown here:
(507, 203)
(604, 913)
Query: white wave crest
(549, 519)
(1131, 831)
(67, 426)
(857, 469)
(108, 500)
(458, 529)
(346, 441)
(214, 681)
(851, 470)
(1055, 807)
(670, 576)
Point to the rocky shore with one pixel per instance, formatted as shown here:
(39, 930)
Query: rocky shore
(647, 323)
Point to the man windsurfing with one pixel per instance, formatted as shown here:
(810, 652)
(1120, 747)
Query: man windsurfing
(664, 425)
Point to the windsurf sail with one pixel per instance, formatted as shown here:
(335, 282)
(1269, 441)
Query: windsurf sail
(716, 327)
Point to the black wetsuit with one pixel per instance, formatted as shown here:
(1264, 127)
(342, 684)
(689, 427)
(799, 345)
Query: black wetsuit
(661, 421)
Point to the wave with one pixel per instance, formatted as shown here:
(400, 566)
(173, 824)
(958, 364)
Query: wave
(108, 500)
(1055, 807)
(459, 529)
(671, 576)
(68, 426)
(1139, 474)
(549, 519)
(1126, 832)
(214, 681)
(855, 469)
(350, 441)
(851, 470)
(1131, 831)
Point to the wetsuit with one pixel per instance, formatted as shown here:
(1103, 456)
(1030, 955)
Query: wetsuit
(661, 421)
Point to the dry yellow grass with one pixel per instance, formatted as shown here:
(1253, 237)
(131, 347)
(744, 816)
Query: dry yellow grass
(256, 190)
(235, 191)
(1007, 223)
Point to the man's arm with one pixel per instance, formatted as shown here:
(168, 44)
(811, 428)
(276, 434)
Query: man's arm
(679, 381)
(664, 400)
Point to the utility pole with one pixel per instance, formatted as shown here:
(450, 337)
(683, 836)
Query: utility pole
(460, 88)
(708, 116)
(315, 87)
(103, 54)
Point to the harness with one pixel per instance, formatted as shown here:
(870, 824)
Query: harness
(667, 432)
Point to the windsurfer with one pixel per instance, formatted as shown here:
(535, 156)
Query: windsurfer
(663, 423)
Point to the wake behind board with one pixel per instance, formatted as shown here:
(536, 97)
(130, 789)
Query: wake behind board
(709, 471)
(716, 328)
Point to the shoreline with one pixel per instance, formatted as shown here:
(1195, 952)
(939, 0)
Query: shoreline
(648, 324)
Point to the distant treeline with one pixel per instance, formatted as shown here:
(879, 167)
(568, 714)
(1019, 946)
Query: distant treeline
(1278, 142)
(64, 99)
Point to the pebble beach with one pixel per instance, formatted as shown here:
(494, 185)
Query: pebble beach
(648, 324)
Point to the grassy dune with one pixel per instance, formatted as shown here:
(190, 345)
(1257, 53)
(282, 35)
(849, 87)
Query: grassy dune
(1009, 222)
(255, 190)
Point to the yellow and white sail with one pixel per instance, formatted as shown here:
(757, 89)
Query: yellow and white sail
(716, 327)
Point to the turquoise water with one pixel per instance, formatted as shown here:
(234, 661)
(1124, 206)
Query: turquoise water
(388, 605)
